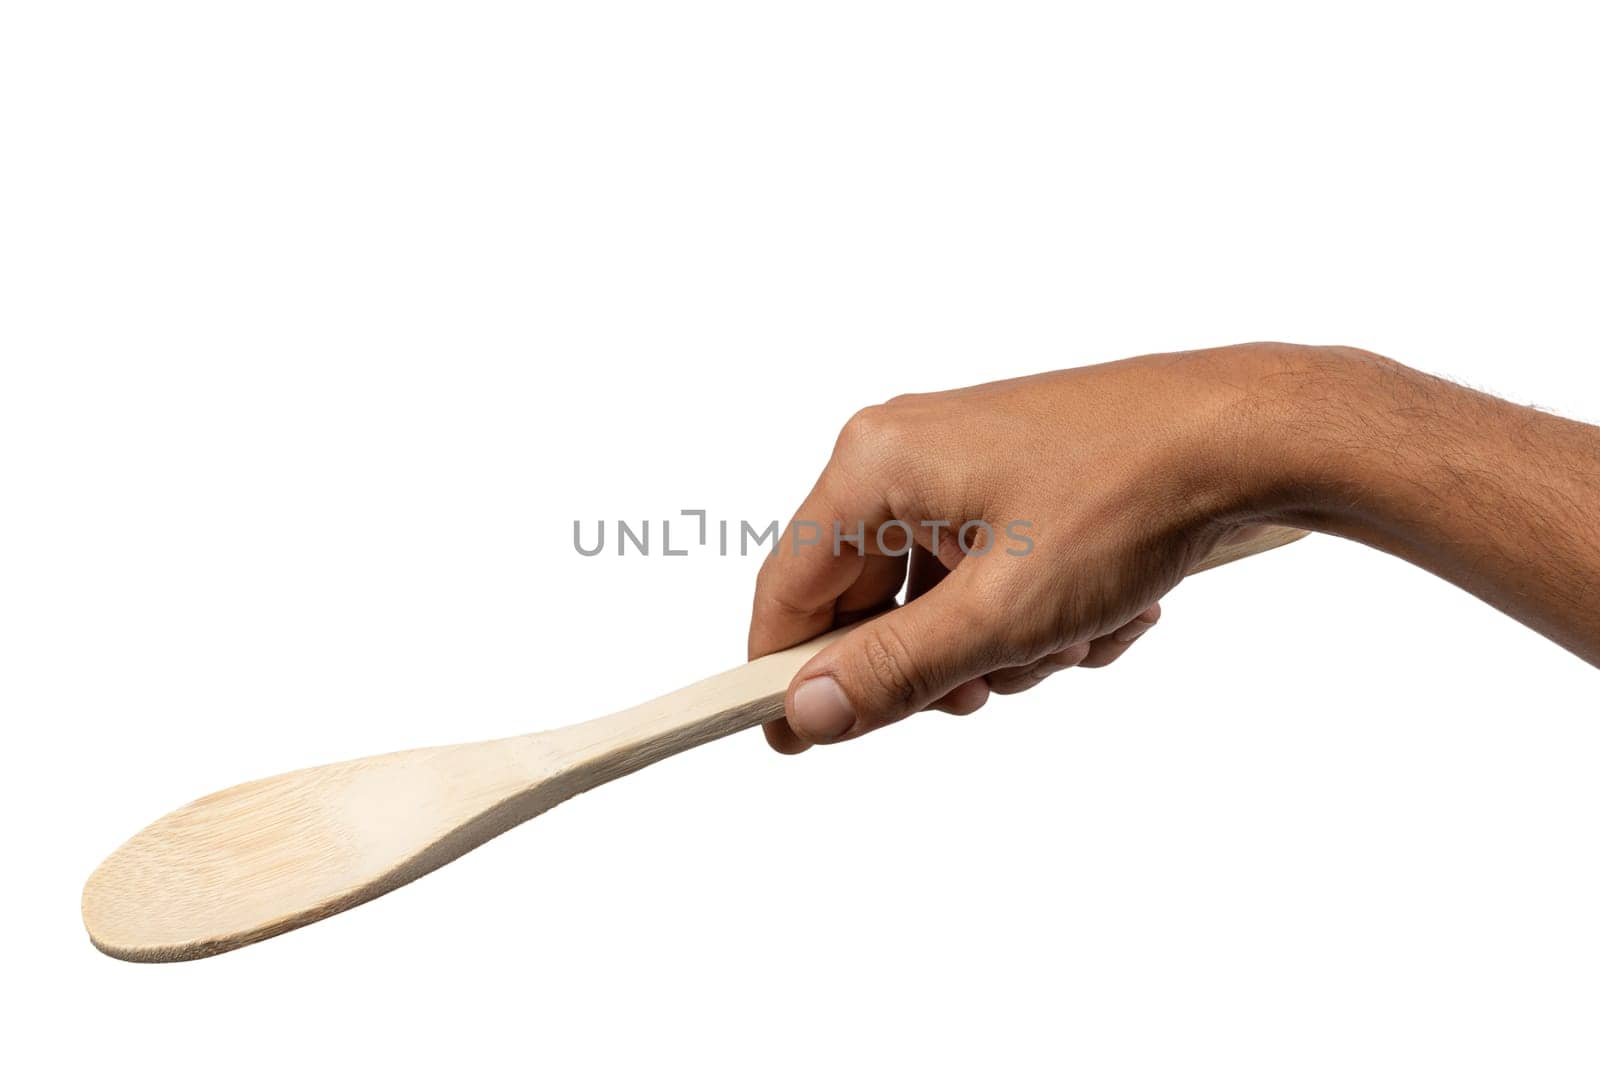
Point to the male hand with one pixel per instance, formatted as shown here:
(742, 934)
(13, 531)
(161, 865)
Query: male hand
(1047, 516)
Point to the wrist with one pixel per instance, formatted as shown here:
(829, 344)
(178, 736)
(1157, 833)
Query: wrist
(1229, 450)
(1322, 434)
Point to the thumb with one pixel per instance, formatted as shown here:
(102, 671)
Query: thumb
(894, 665)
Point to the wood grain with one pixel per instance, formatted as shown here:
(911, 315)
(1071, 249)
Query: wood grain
(265, 857)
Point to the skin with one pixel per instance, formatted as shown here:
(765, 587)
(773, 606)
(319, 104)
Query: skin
(1130, 472)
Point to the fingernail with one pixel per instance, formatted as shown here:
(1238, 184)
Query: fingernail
(1132, 631)
(821, 710)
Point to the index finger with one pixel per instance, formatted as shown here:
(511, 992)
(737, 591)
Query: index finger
(802, 582)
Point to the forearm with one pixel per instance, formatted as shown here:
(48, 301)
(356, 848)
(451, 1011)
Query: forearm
(1500, 499)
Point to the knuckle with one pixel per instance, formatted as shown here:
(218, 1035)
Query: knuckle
(766, 582)
(872, 436)
(862, 427)
(774, 597)
(764, 576)
(776, 601)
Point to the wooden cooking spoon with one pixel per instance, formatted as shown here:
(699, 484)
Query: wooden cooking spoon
(265, 857)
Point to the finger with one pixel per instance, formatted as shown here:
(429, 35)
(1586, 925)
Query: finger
(803, 578)
(924, 572)
(1106, 650)
(964, 699)
(782, 739)
(895, 664)
(874, 588)
(1020, 679)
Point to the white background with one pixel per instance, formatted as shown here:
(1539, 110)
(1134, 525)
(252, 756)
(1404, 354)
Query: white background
(321, 322)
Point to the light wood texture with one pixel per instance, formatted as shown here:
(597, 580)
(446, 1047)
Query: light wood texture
(265, 857)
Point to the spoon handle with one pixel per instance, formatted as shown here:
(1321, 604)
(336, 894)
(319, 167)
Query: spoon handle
(614, 745)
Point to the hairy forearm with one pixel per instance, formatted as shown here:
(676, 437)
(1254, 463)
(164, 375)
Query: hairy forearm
(1500, 499)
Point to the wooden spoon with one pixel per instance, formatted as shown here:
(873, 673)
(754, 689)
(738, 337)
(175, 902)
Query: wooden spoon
(265, 857)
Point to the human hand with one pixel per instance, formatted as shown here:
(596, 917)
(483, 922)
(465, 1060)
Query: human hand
(1086, 495)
